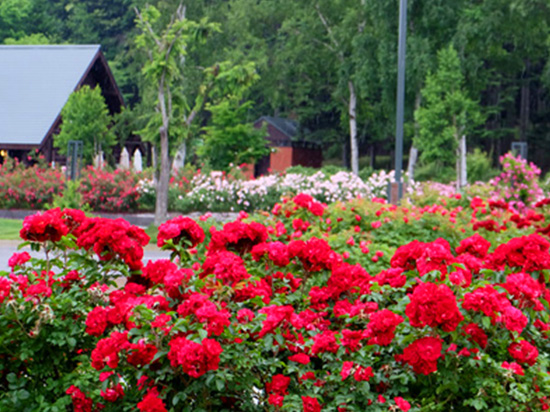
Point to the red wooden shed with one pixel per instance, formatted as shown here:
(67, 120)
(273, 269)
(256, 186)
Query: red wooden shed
(288, 149)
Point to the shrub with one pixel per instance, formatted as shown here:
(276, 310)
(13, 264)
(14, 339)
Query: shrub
(107, 191)
(351, 306)
(518, 182)
(43, 307)
(25, 187)
(434, 171)
(479, 167)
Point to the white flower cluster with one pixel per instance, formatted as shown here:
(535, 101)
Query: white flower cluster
(215, 192)
(145, 186)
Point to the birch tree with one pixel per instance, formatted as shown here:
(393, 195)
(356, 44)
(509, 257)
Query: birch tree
(331, 29)
(166, 47)
(446, 115)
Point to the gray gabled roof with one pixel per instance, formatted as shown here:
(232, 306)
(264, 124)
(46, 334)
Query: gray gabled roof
(287, 126)
(35, 83)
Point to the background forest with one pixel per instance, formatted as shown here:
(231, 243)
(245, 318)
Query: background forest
(309, 60)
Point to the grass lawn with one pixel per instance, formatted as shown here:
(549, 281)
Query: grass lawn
(152, 231)
(9, 229)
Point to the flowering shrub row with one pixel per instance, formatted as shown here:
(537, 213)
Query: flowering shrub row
(217, 191)
(106, 191)
(351, 306)
(125, 191)
(25, 187)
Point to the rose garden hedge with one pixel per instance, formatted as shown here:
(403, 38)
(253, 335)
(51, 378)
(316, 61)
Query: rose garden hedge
(347, 307)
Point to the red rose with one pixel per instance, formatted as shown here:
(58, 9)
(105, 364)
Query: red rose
(433, 305)
(180, 229)
(381, 328)
(422, 355)
(151, 402)
(310, 404)
(524, 352)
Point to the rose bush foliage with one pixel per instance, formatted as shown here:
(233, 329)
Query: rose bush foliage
(347, 307)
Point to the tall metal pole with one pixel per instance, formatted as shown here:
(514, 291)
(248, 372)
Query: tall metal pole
(400, 94)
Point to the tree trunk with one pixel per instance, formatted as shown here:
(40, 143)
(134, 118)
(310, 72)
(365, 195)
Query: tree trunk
(457, 160)
(372, 157)
(413, 152)
(353, 129)
(161, 205)
(458, 174)
(413, 155)
(463, 164)
(179, 159)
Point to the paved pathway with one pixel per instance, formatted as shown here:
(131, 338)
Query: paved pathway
(8, 247)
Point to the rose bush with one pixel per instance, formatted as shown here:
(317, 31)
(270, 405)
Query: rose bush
(44, 303)
(25, 187)
(345, 307)
(107, 191)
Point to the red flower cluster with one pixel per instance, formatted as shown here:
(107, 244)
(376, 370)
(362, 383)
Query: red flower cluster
(529, 253)
(18, 259)
(435, 306)
(109, 191)
(112, 239)
(311, 404)
(151, 402)
(360, 373)
(425, 257)
(226, 267)
(308, 202)
(277, 252)
(381, 328)
(42, 227)
(277, 389)
(524, 352)
(422, 355)
(180, 230)
(195, 359)
(81, 403)
(238, 236)
(315, 254)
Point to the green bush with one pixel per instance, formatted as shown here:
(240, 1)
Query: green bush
(479, 167)
(303, 170)
(434, 171)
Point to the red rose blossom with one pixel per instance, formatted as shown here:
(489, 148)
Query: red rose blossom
(422, 355)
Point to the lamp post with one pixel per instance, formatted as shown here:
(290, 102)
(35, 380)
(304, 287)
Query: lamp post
(397, 189)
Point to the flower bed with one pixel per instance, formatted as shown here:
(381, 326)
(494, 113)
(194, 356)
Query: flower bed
(106, 191)
(24, 187)
(351, 306)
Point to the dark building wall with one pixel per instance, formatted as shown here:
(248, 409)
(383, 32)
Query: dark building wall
(307, 157)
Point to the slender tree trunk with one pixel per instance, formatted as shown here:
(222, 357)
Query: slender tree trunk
(179, 159)
(463, 164)
(372, 157)
(353, 129)
(413, 155)
(458, 174)
(457, 153)
(413, 152)
(161, 206)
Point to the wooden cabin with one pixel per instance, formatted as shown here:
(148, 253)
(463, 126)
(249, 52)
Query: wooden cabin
(35, 84)
(288, 149)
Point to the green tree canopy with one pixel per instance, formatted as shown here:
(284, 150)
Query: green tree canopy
(85, 117)
(447, 112)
